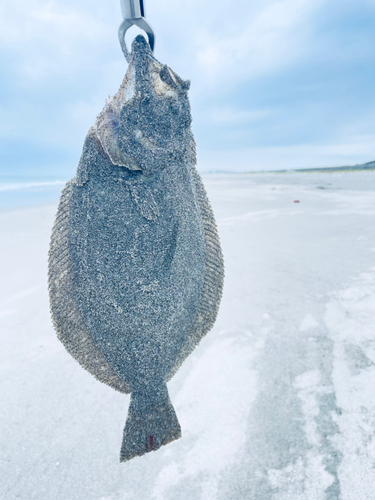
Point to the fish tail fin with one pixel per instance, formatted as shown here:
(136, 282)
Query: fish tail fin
(151, 422)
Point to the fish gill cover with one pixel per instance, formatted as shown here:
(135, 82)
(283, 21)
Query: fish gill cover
(135, 264)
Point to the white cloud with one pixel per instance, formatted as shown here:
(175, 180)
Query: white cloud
(54, 36)
(49, 20)
(48, 37)
(359, 149)
(275, 37)
(83, 113)
(68, 25)
(235, 116)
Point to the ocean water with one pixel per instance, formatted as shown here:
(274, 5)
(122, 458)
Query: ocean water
(22, 191)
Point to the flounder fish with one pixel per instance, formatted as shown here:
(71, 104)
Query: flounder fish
(135, 264)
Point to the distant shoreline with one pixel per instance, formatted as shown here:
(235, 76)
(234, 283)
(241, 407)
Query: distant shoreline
(370, 166)
(365, 166)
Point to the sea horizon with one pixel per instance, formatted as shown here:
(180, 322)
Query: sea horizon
(21, 191)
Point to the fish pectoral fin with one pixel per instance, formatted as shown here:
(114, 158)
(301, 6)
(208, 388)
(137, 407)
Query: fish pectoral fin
(144, 200)
(151, 423)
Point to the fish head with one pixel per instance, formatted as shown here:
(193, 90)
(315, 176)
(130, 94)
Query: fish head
(147, 124)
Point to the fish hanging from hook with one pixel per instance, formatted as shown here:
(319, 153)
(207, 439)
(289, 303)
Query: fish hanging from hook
(135, 265)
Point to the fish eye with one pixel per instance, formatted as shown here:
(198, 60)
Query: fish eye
(166, 76)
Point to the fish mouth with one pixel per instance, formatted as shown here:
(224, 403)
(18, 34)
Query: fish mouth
(149, 117)
(163, 79)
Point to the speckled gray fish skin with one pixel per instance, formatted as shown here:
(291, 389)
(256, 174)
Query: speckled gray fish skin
(135, 265)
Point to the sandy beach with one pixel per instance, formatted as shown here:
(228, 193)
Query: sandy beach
(277, 402)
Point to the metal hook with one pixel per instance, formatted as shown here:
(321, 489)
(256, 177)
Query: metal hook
(133, 12)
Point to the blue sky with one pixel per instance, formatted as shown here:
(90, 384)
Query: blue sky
(275, 84)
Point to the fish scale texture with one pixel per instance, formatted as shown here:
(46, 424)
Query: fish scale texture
(135, 266)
